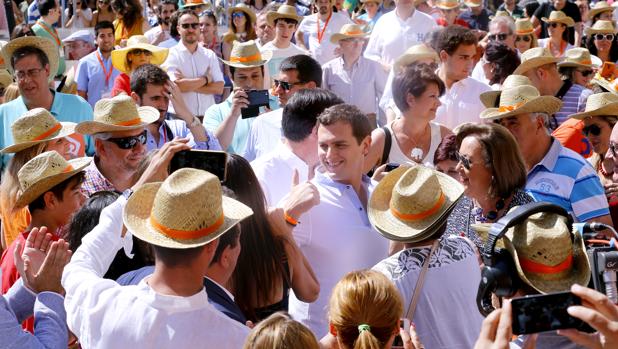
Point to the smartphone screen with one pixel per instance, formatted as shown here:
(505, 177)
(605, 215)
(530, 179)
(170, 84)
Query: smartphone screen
(212, 161)
(258, 98)
(548, 312)
(398, 341)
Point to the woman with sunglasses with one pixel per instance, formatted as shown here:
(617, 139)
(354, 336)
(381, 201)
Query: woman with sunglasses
(601, 41)
(240, 28)
(82, 16)
(103, 13)
(20, 30)
(558, 40)
(129, 20)
(577, 67)
(525, 38)
(492, 171)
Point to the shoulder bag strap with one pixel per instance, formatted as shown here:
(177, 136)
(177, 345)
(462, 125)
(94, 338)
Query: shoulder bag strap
(420, 282)
(387, 145)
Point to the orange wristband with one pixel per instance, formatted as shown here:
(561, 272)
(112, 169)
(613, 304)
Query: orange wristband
(289, 219)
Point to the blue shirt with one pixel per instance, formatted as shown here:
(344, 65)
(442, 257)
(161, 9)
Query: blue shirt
(90, 76)
(573, 101)
(169, 43)
(566, 179)
(178, 128)
(33, 12)
(65, 107)
(370, 22)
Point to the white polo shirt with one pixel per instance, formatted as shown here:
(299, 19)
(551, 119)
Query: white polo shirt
(324, 50)
(461, 103)
(194, 65)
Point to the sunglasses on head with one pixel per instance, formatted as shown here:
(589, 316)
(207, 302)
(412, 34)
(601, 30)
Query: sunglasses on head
(190, 25)
(593, 129)
(608, 37)
(129, 142)
(499, 37)
(525, 38)
(555, 25)
(286, 85)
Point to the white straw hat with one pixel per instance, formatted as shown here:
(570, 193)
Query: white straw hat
(577, 57)
(117, 114)
(5, 78)
(599, 104)
(521, 100)
(599, 7)
(349, 31)
(601, 27)
(247, 55)
(559, 17)
(284, 11)
(533, 58)
(44, 44)
(491, 98)
(37, 126)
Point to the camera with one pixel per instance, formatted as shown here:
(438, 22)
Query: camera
(257, 99)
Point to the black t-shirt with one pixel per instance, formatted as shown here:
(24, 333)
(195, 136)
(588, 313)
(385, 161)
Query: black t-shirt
(570, 9)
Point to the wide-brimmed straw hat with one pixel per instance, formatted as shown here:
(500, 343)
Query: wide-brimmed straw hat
(37, 126)
(606, 77)
(599, 7)
(5, 78)
(411, 203)
(577, 57)
(473, 3)
(447, 4)
(136, 42)
(533, 58)
(521, 100)
(243, 8)
(284, 11)
(599, 104)
(195, 3)
(416, 53)
(500, 13)
(349, 31)
(490, 99)
(523, 26)
(117, 114)
(559, 17)
(601, 27)
(43, 172)
(186, 210)
(247, 55)
(44, 44)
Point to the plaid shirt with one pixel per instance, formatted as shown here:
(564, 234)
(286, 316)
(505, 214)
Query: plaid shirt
(94, 181)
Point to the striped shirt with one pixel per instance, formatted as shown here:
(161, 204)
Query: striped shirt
(33, 12)
(564, 178)
(574, 101)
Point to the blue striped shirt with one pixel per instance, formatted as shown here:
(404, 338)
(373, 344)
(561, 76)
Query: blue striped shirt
(566, 179)
(573, 101)
(33, 12)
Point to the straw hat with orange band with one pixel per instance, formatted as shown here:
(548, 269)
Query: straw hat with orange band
(524, 27)
(184, 211)
(349, 31)
(43, 172)
(522, 100)
(37, 126)
(117, 114)
(247, 55)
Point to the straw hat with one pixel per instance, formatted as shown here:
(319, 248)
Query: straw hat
(119, 57)
(601, 27)
(5, 78)
(411, 203)
(447, 4)
(186, 210)
(473, 3)
(37, 126)
(599, 7)
(523, 26)
(284, 11)
(44, 44)
(491, 98)
(416, 53)
(195, 3)
(533, 58)
(117, 114)
(349, 31)
(559, 17)
(599, 104)
(500, 14)
(521, 100)
(247, 55)
(43, 172)
(243, 8)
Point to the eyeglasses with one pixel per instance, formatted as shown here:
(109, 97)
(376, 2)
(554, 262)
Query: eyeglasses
(525, 38)
(129, 142)
(608, 37)
(286, 85)
(237, 14)
(139, 52)
(593, 129)
(467, 164)
(586, 73)
(354, 40)
(499, 37)
(30, 73)
(555, 25)
(190, 25)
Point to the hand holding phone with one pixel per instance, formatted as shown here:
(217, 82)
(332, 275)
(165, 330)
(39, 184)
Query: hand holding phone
(257, 99)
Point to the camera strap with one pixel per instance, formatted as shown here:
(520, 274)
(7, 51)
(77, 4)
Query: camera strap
(420, 282)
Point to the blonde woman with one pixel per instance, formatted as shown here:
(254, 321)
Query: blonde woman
(280, 331)
(524, 35)
(557, 29)
(137, 53)
(241, 28)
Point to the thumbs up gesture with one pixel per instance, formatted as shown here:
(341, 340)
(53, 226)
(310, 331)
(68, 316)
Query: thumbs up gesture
(302, 197)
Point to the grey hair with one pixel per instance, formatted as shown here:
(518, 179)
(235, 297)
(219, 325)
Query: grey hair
(103, 136)
(546, 120)
(504, 19)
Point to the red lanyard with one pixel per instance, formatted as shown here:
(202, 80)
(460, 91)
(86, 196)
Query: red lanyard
(51, 32)
(108, 74)
(321, 33)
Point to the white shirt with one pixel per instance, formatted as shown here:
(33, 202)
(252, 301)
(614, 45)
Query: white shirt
(264, 135)
(391, 35)
(361, 85)
(194, 65)
(545, 44)
(336, 238)
(153, 33)
(274, 172)
(271, 69)
(103, 314)
(461, 103)
(478, 73)
(83, 21)
(324, 50)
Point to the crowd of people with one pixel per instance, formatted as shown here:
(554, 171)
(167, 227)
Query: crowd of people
(369, 147)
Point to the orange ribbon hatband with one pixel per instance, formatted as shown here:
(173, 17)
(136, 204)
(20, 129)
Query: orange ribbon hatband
(68, 169)
(356, 32)
(255, 57)
(129, 123)
(530, 266)
(187, 234)
(48, 133)
(418, 216)
(524, 32)
(586, 62)
(509, 108)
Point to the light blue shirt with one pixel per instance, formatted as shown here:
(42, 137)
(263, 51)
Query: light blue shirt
(178, 128)
(90, 76)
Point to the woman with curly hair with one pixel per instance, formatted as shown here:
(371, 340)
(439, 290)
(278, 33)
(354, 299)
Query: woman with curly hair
(499, 61)
(129, 20)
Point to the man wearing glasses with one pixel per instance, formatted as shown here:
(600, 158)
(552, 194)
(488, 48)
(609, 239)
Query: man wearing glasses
(502, 29)
(161, 32)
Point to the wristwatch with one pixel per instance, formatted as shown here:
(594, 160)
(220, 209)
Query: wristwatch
(195, 122)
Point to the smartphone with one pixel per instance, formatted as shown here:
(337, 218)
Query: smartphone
(391, 166)
(546, 312)
(212, 161)
(405, 325)
(257, 99)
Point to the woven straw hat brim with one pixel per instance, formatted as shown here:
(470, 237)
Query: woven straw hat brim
(566, 64)
(608, 109)
(68, 128)
(595, 11)
(45, 184)
(533, 63)
(205, 4)
(266, 56)
(472, 4)
(335, 38)
(119, 57)
(44, 44)
(490, 98)
(541, 104)
(604, 84)
(148, 115)
(5, 80)
(407, 59)
(389, 226)
(136, 217)
(568, 21)
(610, 29)
(447, 6)
(271, 17)
(246, 10)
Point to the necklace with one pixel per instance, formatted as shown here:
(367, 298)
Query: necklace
(491, 215)
(561, 49)
(417, 152)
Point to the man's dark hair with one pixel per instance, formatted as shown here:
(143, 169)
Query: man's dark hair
(230, 238)
(233, 70)
(413, 79)
(300, 114)
(57, 190)
(103, 25)
(174, 25)
(286, 20)
(45, 6)
(147, 74)
(308, 68)
(349, 114)
(175, 257)
(451, 37)
(27, 51)
(187, 11)
(167, 2)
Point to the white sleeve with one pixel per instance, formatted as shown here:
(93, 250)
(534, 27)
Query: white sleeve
(171, 65)
(374, 46)
(215, 69)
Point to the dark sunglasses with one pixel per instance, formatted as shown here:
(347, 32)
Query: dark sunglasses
(129, 142)
(593, 129)
(464, 160)
(286, 85)
(237, 14)
(586, 73)
(555, 25)
(190, 25)
(139, 52)
(608, 37)
(525, 38)
(499, 37)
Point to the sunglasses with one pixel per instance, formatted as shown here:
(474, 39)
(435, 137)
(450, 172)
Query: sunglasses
(593, 129)
(190, 25)
(525, 38)
(237, 14)
(129, 142)
(586, 73)
(608, 37)
(139, 52)
(467, 164)
(556, 25)
(499, 37)
(286, 85)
